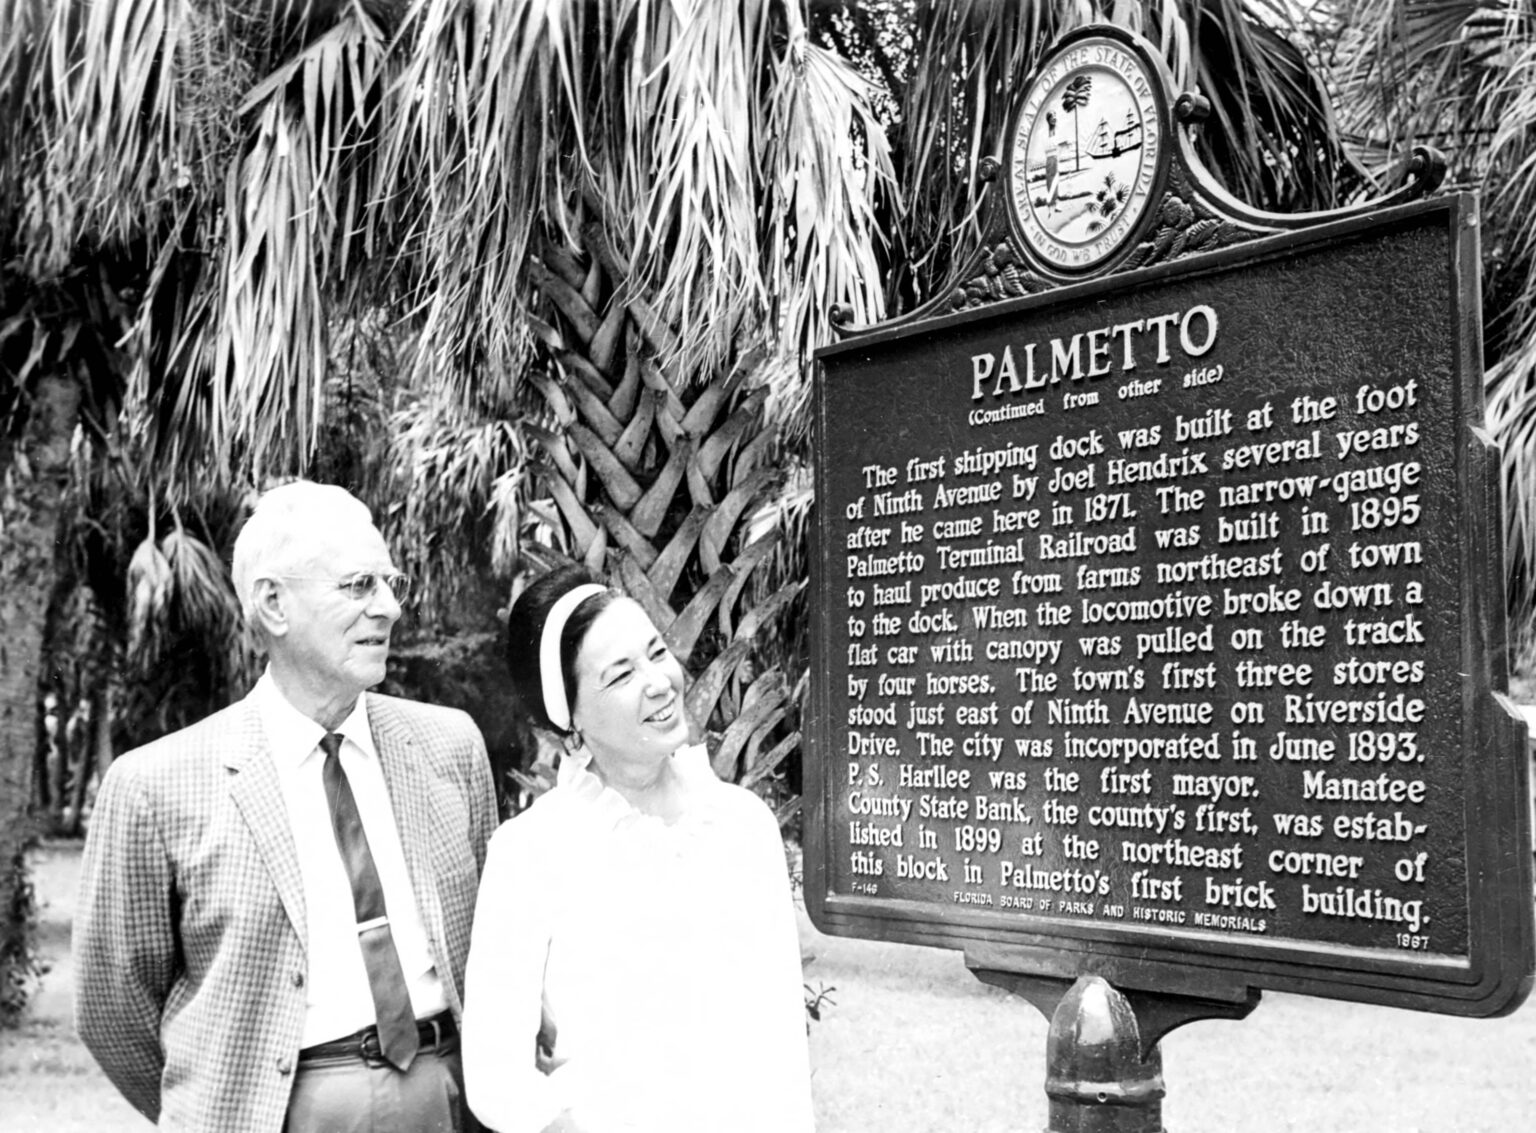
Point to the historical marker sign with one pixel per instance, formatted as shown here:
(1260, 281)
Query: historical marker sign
(1159, 628)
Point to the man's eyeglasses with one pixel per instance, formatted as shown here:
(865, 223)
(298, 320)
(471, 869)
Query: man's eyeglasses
(361, 587)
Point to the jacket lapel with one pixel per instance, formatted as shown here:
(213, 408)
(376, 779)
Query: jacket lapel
(259, 798)
(410, 797)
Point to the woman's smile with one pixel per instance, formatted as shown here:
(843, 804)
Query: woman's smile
(664, 714)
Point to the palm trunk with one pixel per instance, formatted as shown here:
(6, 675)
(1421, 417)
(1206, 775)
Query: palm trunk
(654, 484)
(61, 757)
(93, 758)
(38, 467)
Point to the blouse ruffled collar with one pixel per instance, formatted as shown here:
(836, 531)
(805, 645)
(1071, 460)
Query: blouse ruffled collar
(575, 778)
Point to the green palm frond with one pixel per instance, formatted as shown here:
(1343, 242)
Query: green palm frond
(784, 518)
(508, 506)
(457, 479)
(1511, 182)
(1272, 137)
(1458, 75)
(291, 213)
(138, 127)
(476, 121)
(128, 107)
(957, 91)
(21, 39)
(823, 233)
(1511, 412)
(677, 122)
(273, 168)
(676, 169)
(1434, 72)
(951, 68)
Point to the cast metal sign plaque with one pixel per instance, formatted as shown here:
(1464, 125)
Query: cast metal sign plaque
(1159, 624)
(1085, 152)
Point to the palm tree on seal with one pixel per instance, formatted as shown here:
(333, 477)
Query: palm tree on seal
(1073, 99)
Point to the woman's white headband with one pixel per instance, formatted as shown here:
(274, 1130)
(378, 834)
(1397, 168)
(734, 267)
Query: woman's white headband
(557, 705)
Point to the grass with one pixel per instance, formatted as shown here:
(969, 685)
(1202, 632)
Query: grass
(916, 1043)
(912, 1042)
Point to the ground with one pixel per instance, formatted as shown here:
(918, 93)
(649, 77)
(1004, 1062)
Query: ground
(912, 1043)
(47, 1079)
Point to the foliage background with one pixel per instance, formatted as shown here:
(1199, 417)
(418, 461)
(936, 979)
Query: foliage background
(541, 279)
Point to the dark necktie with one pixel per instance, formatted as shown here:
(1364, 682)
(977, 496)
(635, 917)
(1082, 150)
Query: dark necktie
(391, 1001)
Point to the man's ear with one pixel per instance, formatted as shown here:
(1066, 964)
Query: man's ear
(269, 611)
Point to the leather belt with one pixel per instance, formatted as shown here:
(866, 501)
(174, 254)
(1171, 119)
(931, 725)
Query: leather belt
(364, 1044)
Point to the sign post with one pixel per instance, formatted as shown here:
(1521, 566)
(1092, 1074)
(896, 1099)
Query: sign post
(1159, 636)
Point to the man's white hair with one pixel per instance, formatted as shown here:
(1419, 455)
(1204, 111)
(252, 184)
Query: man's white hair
(280, 535)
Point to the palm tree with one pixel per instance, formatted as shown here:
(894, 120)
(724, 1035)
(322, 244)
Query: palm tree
(57, 365)
(144, 633)
(1073, 99)
(605, 235)
(267, 171)
(672, 241)
(951, 67)
(29, 511)
(616, 270)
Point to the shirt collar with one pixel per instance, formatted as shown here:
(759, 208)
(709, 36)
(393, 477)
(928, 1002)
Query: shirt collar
(576, 778)
(293, 736)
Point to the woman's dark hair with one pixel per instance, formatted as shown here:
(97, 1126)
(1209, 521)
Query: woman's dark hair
(525, 628)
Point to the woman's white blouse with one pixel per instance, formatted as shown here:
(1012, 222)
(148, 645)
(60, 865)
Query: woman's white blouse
(665, 955)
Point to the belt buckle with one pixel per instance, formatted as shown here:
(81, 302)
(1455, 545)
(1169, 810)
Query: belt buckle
(368, 1048)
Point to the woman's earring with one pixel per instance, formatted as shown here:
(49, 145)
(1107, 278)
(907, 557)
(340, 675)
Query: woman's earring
(574, 741)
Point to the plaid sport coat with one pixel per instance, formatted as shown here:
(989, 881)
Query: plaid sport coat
(189, 938)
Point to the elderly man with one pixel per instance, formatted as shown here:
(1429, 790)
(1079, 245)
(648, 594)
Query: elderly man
(276, 902)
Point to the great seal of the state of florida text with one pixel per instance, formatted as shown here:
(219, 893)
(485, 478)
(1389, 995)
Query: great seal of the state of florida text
(1085, 153)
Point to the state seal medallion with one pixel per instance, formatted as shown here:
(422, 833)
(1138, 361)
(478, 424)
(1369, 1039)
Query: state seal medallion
(1085, 152)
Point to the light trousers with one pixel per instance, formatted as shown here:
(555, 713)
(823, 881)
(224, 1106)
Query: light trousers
(349, 1095)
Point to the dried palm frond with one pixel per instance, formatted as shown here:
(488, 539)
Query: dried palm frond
(149, 592)
(199, 585)
(822, 238)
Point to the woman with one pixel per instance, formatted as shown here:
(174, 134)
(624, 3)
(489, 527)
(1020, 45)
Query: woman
(634, 963)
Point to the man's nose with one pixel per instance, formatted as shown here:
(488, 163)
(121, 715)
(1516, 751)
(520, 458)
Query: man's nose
(382, 603)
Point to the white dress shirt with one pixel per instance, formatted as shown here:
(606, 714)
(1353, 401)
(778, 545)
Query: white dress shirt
(339, 1000)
